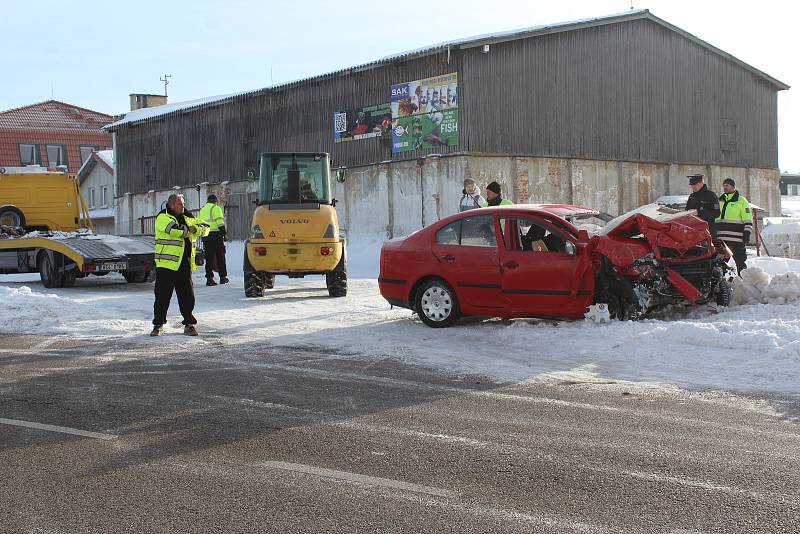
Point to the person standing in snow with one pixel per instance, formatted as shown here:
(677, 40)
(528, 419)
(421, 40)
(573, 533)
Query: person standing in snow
(176, 232)
(493, 196)
(471, 198)
(735, 222)
(704, 201)
(214, 245)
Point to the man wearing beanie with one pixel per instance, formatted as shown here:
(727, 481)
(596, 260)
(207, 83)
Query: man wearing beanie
(471, 196)
(493, 197)
(735, 222)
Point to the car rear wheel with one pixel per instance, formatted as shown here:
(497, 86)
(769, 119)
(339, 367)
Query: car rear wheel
(436, 304)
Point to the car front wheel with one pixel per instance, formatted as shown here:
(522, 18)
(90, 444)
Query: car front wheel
(437, 304)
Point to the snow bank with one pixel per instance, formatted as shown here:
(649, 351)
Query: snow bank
(768, 280)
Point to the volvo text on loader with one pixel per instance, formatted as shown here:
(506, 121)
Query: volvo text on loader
(295, 229)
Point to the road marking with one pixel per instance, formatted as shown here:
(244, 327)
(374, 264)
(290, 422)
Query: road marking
(54, 428)
(363, 479)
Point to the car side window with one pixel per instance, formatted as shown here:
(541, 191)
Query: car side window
(523, 234)
(450, 234)
(478, 231)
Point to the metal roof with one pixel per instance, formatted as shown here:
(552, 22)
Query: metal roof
(150, 114)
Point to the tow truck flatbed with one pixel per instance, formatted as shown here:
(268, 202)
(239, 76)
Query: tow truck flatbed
(60, 258)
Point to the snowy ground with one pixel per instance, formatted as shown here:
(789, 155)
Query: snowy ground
(753, 347)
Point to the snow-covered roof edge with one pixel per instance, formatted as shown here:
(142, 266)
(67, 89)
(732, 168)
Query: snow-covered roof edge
(144, 115)
(104, 156)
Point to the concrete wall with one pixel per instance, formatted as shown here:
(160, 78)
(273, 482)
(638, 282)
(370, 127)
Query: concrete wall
(394, 199)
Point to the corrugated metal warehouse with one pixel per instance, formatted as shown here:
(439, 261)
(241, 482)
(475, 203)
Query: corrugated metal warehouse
(610, 112)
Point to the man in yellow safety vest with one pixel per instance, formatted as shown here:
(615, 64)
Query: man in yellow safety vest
(214, 245)
(176, 231)
(735, 222)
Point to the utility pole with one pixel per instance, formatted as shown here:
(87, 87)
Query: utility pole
(165, 79)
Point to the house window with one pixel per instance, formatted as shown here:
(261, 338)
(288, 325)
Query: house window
(56, 155)
(86, 152)
(91, 198)
(29, 154)
(104, 197)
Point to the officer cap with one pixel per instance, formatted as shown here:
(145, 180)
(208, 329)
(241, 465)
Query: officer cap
(695, 178)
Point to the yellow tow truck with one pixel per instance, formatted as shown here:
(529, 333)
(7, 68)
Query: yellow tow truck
(295, 228)
(45, 228)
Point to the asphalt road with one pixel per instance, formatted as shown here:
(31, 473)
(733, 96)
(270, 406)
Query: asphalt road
(256, 438)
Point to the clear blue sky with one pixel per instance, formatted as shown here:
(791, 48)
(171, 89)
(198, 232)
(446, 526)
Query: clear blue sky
(93, 54)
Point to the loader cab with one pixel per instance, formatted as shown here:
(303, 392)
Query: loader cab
(292, 180)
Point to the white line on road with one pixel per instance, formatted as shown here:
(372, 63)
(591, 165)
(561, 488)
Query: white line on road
(53, 428)
(364, 479)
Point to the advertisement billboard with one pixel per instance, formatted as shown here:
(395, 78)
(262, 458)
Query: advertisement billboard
(425, 113)
(362, 123)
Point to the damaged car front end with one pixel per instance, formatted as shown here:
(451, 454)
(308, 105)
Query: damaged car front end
(655, 257)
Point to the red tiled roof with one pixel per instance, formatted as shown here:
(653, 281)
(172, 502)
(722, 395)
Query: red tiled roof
(53, 115)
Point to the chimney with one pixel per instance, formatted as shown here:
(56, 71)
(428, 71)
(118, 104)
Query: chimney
(139, 101)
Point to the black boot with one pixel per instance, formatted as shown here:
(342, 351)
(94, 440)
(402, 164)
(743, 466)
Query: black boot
(211, 282)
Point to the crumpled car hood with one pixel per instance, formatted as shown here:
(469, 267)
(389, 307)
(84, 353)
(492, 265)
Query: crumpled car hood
(663, 228)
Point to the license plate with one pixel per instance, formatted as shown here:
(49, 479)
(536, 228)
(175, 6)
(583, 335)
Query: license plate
(114, 266)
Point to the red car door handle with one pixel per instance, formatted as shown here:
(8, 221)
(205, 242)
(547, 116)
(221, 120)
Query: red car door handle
(448, 257)
(511, 264)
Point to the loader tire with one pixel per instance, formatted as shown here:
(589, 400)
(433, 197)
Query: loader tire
(253, 284)
(336, 280)
(269, 280)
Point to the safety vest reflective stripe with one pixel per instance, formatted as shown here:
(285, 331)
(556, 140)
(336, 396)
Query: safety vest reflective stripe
(168, 257)
(176, 242)
(212, 214)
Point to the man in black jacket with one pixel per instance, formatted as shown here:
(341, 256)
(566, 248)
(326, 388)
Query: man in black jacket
(704, 201)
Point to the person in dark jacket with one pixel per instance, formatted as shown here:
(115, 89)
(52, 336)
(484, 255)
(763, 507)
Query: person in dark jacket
(704, 201)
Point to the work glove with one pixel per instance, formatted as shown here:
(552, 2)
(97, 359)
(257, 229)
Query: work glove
(746, 237)
(223, 233)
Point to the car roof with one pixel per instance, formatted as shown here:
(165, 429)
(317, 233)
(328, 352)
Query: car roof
(563, 211)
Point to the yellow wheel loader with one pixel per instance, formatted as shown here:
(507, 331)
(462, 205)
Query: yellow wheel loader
(295, 230)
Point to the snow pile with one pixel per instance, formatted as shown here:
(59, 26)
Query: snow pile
(35, 311)
(768, 281)
(782, 239)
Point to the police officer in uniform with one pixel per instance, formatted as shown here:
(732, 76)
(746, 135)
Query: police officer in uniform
(176, 232)
(704, 201)
(735, 223)
(214, 245)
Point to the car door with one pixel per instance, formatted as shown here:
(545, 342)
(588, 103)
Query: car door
(468, 257)
(540, 269)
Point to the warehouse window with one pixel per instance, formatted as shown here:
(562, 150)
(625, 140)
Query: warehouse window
(29, 154)
(727, 135)
(56, 155)
(793, 190)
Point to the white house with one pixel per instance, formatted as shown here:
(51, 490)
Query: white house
(96, 177)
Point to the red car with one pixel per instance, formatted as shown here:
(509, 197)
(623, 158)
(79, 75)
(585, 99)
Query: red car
(532, 261)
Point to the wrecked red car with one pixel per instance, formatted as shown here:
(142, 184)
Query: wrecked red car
(532, 261)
